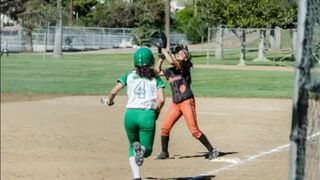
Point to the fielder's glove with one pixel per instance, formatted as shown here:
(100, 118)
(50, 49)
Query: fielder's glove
(159, 39)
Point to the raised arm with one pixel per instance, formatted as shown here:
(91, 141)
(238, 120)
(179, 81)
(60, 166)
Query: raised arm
(158, 67)
(170, 59)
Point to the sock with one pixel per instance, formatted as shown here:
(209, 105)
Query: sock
(203, 139)
(134, 167)
(164, 143)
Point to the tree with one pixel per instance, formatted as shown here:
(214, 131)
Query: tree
(183, 23)
(30, 14)
(57, 51)
(286, 15)
(71, 10)
(247, 13)
(271, 13)
(81, 9)
(167, 23)
(151, 17)
(195, 19)
(109, 13)
(36, 14)
(218, 13)
(182, 18)
(12, 7)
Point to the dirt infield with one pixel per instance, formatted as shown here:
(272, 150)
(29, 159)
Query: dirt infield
(76, 138)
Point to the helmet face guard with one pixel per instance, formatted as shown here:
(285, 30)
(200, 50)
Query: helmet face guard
(185, 50)
(143, 57)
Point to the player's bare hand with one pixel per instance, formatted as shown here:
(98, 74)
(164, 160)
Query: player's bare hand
(106, 101)
(110, 103)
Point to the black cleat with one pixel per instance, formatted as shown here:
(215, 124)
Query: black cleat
(212, 154)
(163, 155)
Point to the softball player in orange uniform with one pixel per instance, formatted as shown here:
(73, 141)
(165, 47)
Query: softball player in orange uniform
(183, 104)
(145, 100)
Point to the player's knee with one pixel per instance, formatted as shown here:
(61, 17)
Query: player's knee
(165, 132)
(148, 152)
(196, 134)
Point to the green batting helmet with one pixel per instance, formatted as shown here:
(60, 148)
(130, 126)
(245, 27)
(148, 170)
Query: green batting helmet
(143, 57)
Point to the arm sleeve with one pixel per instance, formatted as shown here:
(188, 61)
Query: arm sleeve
(160, 83)
(123, 79)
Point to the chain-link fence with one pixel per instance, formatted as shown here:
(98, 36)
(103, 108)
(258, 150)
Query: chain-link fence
(74, 38)
(275, 39)
(305, 127)
(222, 41)
(16, 39)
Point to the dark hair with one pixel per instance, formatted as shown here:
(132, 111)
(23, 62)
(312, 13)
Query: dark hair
(185, 50)
(146, 72)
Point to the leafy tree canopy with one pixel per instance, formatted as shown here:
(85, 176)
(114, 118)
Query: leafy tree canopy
(248, 13)
(12, 7)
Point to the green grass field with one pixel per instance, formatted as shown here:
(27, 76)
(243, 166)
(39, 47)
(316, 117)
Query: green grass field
(95, 74)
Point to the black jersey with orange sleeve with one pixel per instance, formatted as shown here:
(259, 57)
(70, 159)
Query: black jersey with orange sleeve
(180, 82)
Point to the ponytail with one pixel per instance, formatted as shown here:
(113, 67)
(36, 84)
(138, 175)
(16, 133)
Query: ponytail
(146, 72)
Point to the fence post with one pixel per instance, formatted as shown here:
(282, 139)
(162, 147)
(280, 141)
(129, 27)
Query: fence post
(219, 44)
(243, 47)
(208, 45)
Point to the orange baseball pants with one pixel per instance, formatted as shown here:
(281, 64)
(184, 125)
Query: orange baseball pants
(187, 109)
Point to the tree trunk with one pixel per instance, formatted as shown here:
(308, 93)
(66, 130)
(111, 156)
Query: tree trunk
(57, 52)
(219, 44)
(262, 49)
(167, 22)
(243, 47)
(30, 47)
(71, 7)
(294, 38)
(293, 43)
(46, 41)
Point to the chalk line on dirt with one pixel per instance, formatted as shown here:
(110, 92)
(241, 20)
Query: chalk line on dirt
(253, 157)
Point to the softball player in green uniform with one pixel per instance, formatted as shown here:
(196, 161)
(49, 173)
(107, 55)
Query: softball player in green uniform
(145, 100)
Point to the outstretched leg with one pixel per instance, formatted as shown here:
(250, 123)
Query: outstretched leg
(140, 129)
(134, 167)
(171, 118)
(213, 153)
(188, 108)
